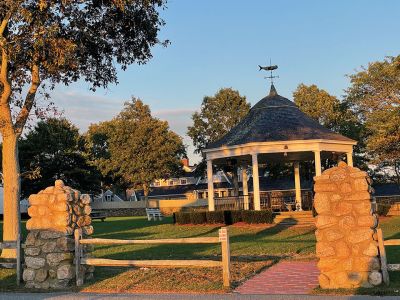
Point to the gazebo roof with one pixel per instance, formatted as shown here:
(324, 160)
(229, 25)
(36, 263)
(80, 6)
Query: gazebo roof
(275, 118)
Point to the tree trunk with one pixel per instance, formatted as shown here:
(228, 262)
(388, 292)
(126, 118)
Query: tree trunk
(12, 184)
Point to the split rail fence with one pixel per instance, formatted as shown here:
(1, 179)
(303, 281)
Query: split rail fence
(223, 239)
(384, 265)
(17, 264)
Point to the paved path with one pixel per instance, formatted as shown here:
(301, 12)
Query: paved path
(284, 278)
(90, 296)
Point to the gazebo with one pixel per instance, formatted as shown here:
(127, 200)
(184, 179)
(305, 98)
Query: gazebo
(275, 130)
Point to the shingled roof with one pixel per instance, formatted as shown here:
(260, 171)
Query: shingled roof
(275, 118)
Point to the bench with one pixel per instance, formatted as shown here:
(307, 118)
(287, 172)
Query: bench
(15, 263)
(153, 213)
(96, 214)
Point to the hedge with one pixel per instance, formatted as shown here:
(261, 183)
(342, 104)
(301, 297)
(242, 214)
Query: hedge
(197, 217)
(227, 217)
(215, 217)
(383, 209)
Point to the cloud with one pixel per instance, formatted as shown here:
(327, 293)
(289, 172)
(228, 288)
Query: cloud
(84, 109)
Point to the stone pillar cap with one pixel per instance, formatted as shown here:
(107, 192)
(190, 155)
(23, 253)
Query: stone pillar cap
(59, 183)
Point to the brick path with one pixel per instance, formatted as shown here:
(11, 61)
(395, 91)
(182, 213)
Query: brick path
(289, 277)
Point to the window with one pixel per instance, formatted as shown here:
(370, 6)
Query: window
(200, 195)
(156, 183)
(108, 198)
(183, 181)
(171, 182)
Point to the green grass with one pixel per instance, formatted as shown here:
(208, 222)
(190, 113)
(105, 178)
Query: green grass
(253, 248)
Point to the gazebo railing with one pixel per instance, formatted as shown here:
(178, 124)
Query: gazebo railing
(281, 201)
(232, 203)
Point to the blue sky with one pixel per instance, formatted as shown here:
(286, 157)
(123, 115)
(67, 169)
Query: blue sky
(218, 44)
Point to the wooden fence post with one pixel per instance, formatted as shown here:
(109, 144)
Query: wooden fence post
(382, 254)
(77, 236)
(224, 239)
(18, 246)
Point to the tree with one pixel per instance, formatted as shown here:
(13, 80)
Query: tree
(135, 148)
(374, 96)
(332, 113)
(54, 150)
(218, 114)
(44, 43)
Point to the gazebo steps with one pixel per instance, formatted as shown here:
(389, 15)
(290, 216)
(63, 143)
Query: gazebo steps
(290, 218)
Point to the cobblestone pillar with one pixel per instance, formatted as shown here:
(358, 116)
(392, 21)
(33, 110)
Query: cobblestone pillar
(346, 239)
(49, 247)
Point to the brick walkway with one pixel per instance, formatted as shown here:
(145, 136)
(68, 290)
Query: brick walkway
(284, 278)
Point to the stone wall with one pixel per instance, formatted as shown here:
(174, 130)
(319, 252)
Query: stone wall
(55, 213)
(346, 239)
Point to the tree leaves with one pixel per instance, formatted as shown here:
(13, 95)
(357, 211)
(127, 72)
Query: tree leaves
(135, 148)
(218, 114)
(53, 150)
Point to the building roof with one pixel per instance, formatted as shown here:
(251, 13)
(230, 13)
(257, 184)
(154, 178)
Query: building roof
(275, 118)
(386, 189)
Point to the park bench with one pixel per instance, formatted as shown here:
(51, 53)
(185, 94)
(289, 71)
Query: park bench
(15, 263)
(153, 213)
(96, 214)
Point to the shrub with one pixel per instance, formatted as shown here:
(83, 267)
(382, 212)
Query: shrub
(215, 217)
(382, 209)
(257, 217)
(198, 217)
(236, 216)
(182, 218)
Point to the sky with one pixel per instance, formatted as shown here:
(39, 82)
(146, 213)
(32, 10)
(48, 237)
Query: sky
(217, 44)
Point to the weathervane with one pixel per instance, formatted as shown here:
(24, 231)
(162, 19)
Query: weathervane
(270, 68)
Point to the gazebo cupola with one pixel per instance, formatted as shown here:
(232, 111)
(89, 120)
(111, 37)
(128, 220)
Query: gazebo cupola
(274, 130)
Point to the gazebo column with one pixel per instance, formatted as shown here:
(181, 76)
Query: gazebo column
(317, 160)
(349, 159)
(297, 185)
(210, 182)
(245, 188)
(256, 182)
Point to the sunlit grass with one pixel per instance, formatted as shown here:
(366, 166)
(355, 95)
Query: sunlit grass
(253, 248)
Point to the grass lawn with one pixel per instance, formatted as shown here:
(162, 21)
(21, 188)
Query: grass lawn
(253, 248)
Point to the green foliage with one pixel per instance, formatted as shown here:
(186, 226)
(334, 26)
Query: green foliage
(374, 97)
(53, 150)
(215, 217)
(383, 209)
(218, 114)
(227, 217)
(182, 218)
(198, 217)
(135, 148)
(334, 114)
(257, 217)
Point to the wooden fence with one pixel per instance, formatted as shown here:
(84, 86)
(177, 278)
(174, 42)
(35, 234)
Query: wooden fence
(17, 264)
(223, 239)
(384, 265)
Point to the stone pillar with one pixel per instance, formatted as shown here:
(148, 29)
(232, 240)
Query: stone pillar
(297, 186)
(256, 182)
(245, 188)
(210, 182)
(346, 239)
(55, 212)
